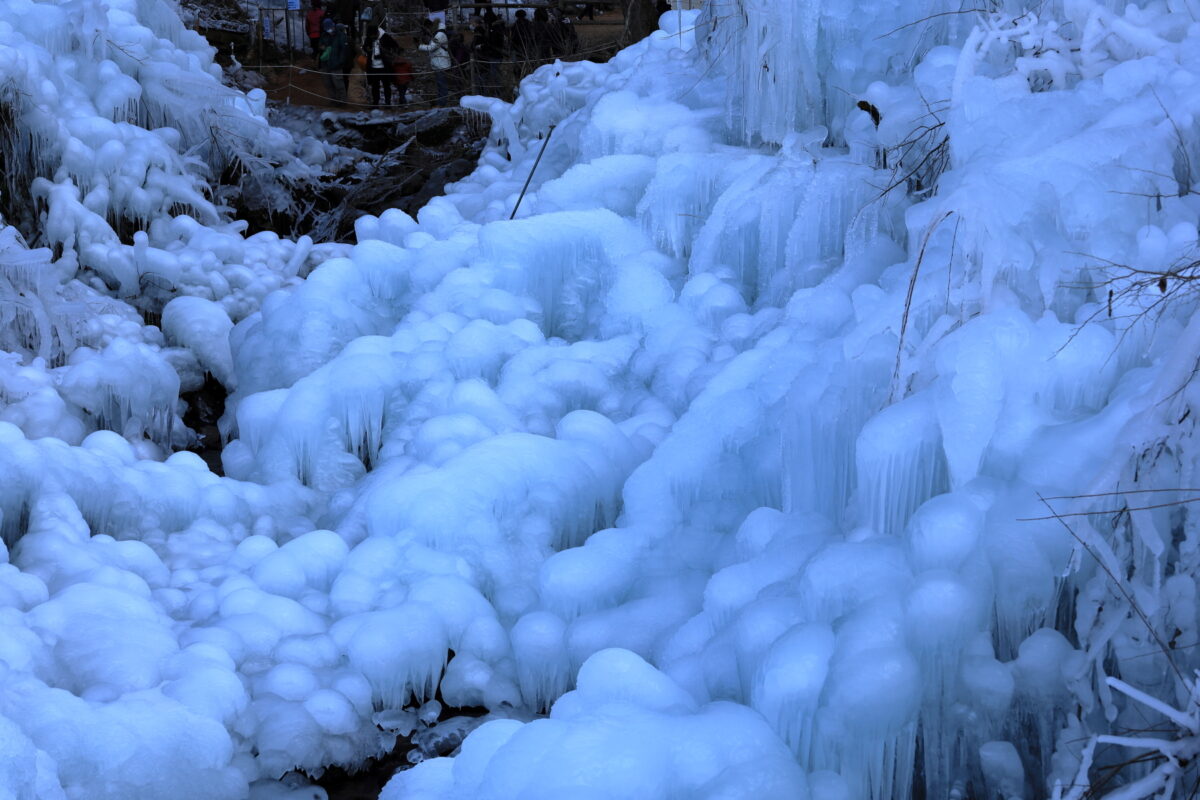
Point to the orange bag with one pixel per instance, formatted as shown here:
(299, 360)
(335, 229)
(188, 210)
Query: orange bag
(361, 61)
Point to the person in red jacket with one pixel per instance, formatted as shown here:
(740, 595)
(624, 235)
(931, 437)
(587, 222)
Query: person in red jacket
(402, 72)
(312, 23)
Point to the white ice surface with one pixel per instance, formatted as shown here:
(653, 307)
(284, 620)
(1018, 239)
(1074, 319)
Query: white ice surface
(727, 469)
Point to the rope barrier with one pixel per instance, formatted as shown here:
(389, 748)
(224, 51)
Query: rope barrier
(576, 56)
(302, 90)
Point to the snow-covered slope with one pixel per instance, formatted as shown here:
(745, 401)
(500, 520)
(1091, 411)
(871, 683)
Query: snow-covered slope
(738, 451)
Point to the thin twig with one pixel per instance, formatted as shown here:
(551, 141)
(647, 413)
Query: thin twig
(1116, 493)
(931, 16)
(1111, 510)
(912, 285)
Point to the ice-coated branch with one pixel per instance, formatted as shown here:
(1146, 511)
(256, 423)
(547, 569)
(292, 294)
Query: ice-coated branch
(1080, 786)
(1185, 721)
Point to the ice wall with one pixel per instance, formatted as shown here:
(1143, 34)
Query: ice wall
(908, 344)
(728, 469)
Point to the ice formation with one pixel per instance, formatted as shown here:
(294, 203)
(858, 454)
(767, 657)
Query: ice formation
(820, 427)
(115, 123)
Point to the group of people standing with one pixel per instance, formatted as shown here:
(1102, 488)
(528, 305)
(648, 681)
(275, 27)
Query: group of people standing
(346, 33)
(473, 59)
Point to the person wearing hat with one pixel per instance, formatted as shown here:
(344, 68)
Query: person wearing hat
(335, 46)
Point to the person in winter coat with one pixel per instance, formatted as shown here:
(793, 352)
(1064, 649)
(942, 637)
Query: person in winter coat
(498, 38)
(437, 44)
(335, 48)
(489, 46)
(381, 51)
(348, 54)
(476, 66)
(567, 40)
(312, 24)
(543, 34)
(524, 48)
(460, 55)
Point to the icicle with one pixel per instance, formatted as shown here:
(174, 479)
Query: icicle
(826, 410)
(787, 689)
(543, 667)
(900, 463)
(678, 200)
(943, 613)
(401, 652)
